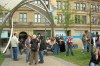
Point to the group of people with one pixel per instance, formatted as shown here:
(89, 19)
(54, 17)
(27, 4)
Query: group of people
(91, 43)
(57, 44)
(34, 46)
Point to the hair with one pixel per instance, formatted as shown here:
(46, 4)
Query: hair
(14, 34)
(33, 36)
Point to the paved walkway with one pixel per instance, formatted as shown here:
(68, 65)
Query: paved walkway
(48, 61)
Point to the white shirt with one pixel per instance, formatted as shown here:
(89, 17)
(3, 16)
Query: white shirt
(14, 41)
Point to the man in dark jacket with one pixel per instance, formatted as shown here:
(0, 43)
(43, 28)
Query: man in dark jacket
(41, 50)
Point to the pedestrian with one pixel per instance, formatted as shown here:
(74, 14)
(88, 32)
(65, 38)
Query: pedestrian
(14, 45)
(69, 46)
(34, 50)
(41, 50)
(84, 43)
(27, 45)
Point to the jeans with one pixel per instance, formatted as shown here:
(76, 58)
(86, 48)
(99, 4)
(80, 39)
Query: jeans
(56, 49)
(27, 55)
(69, 48)
(41, 55)
(93, 64)
(91, 49)
(15, 53)
(85, 46)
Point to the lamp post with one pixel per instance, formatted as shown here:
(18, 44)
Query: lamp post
(45, 30)
(90, 22)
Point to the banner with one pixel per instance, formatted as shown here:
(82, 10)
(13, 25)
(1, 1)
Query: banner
(53, 7)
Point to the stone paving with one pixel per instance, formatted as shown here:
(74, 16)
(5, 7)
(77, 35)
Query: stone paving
(48, 61)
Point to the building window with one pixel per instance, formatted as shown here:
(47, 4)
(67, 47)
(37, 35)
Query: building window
(45, 20)
(46, 2)
(82, 6)
(83, 19)
(93, 7)
(77, 19)
(37, 17)
(59, 18)
(94, 20)
(1, 19)
(77, 6)
(58, 4)
(64, 5)
(37, 2)
(23, 17)
(99, 8)
(98, 20)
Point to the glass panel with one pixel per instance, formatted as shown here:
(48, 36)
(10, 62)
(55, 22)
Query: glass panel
(1, 19)
(83, 19)
(23, 17)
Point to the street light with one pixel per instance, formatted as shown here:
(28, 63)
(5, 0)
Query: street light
(45, 29)
(90, 22)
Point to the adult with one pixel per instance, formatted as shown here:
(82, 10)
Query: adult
(95, 58)
(62, 46)
(84, 42)
(69, 45)
(14, 45)
(34, 50)
(41, 50)
(56, 46)
(27, 45)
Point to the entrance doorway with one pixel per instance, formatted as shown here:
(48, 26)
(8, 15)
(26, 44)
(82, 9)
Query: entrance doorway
(22, 36)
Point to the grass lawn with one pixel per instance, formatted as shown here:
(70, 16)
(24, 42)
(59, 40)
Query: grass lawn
(79, 58)
(1, 58)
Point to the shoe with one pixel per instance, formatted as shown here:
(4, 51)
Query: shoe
(41, 62)
(29, 63)
(35, 63)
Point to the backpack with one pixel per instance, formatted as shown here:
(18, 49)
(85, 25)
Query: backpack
(34, 45)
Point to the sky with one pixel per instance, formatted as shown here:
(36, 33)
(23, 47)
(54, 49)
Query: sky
(9, 4)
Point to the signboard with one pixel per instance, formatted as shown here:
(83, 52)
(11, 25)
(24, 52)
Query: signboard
(9, 4)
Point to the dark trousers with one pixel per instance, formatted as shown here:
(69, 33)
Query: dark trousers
(15, 53)
(69, 48)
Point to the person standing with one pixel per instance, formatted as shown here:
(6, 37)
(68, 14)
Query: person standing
(84, 43)
(41, 50)
(27, 45)
(35, 45)
(69, 46)
(14, 45)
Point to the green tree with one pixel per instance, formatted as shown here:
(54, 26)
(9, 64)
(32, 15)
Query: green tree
(68, 16)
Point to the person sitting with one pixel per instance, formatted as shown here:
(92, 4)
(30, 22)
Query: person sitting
(95, 58)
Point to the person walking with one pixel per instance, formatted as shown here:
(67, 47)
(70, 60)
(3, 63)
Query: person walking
(14, 45)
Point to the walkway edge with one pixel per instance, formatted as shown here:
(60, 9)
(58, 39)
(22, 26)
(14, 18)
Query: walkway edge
(64, 62)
